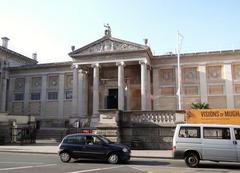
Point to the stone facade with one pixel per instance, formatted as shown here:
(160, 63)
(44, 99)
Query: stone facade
(114, 74)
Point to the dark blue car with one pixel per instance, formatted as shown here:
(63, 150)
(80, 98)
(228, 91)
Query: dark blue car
(91, 146)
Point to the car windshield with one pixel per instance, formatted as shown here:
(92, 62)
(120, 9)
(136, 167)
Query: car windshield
(107, 141)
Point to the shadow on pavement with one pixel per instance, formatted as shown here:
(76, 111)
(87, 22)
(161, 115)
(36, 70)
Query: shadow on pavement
(148, 163)
(134, 162)
(220, 165)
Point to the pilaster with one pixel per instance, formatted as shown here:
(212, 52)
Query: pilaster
(203, 83)
(43, 96)
(227, 73)
(27, 95)
(61, 95)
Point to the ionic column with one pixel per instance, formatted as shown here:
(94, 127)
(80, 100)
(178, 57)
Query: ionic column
(143, 85)
(120, 85)
(227, 73)
(26, 95)
(75, 91)
(95, 88)
(149, 103)
(61, 95)
(82, 102)
(203, 83)
(85, 91)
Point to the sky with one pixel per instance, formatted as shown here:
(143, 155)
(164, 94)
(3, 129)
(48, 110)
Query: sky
(51, 27)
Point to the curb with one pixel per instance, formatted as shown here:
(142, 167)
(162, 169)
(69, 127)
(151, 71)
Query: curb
(34, 152)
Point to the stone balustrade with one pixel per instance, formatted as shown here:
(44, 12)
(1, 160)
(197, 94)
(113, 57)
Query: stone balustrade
(162, 118)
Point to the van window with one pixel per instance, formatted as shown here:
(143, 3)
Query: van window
(189, 132)
(237, 133)
(216, 133)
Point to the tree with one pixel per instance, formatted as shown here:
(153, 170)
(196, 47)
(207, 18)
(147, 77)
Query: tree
(200, 105)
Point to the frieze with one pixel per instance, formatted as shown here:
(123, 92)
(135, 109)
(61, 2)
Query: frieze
(215, 89)
(237, 88)
(236, 72)
(109, 45)
(19, 84)
(191, 90)
(68, 81)
(52, 81)
(214, 73)
(36, 83)
(190, 74)
(167, 91)
(167, 76)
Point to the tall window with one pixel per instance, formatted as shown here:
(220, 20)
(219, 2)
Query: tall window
(35, 96)
(52, 95)
(68, 95)
(18, 96)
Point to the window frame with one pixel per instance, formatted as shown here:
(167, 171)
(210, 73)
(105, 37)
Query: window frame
(197, 128)
(52, 92)
(217, 137)
(21, 99)
(32, 94)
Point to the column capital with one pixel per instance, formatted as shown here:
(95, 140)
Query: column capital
(143, 62)
(82, 71)
(74, 66)
(121, 63)
(96, 65)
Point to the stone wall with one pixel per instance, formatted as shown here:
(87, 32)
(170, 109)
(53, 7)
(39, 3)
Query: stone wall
(140, 129)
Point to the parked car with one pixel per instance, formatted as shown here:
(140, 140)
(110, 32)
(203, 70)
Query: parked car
(92, 146)
(195, 142)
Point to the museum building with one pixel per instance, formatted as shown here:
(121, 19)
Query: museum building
(111, 73)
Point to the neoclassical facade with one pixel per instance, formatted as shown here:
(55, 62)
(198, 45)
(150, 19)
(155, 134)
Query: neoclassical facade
(111, 73)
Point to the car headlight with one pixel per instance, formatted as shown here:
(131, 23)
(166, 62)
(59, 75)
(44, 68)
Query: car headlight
(125, 150)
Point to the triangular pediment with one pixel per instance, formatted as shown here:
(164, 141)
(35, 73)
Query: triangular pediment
(108, 44)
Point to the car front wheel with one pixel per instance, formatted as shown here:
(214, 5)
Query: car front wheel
(192, 160)
(65, 157)
(113, 158)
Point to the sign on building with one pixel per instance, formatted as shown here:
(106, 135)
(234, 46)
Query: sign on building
(213, 116)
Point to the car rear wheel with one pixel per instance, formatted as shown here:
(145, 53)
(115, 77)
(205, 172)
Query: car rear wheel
(65, 157)
(192, 160)
(113, 158)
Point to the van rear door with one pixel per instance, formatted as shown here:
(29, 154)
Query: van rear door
(218, 144)
(237, 141)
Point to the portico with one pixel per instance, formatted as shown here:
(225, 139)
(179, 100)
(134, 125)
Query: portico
(108, 81)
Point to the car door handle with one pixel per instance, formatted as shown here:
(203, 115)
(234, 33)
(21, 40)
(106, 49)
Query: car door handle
(235, 142)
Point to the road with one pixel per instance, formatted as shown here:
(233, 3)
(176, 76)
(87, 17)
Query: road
(48, 163)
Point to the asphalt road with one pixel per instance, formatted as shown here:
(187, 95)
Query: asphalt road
(39, 163)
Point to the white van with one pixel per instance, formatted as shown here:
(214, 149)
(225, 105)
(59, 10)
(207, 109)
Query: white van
(195, 142)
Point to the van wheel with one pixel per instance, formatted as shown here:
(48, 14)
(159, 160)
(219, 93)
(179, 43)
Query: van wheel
(65, 157)
(113, 158)
(192, 160)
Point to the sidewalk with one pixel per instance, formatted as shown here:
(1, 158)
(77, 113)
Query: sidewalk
(53, 149)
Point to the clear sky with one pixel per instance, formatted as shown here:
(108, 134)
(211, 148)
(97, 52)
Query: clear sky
(51, 27)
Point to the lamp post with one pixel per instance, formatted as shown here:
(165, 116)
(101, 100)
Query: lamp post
(179, 44)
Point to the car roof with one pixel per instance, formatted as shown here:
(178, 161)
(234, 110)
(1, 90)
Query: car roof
(82, 134)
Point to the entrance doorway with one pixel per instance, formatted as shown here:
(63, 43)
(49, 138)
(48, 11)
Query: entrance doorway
(112, 99)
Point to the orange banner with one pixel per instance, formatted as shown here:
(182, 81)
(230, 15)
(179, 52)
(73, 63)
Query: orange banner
(213, 116)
